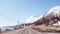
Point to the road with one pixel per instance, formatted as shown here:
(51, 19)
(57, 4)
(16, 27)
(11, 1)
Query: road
(26, 30)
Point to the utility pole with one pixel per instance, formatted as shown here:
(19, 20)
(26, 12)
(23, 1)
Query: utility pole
(24, 25)
(18, 22)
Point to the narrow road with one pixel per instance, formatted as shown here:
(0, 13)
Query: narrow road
(26, 30)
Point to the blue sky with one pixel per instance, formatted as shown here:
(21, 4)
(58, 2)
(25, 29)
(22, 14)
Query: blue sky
(13, 10)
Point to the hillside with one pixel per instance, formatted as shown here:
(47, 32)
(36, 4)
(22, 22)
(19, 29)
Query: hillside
(51, 17)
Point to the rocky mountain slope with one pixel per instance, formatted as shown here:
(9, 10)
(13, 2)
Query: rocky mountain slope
(51, 17)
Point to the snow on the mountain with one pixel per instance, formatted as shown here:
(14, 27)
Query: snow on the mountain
(58, 23)
(38, 18)
(31, 19)
(55, 10)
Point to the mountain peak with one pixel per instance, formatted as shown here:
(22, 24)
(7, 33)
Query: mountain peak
(54, 10)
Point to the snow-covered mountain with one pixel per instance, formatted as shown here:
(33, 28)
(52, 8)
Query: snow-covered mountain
(54, 11)
(32, 19)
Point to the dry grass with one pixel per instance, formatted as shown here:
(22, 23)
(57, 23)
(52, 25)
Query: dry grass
(44, 28)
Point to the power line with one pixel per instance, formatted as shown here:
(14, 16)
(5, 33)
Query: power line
(8, 17)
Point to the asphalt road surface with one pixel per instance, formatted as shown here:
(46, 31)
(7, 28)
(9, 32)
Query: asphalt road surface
(26, 30)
